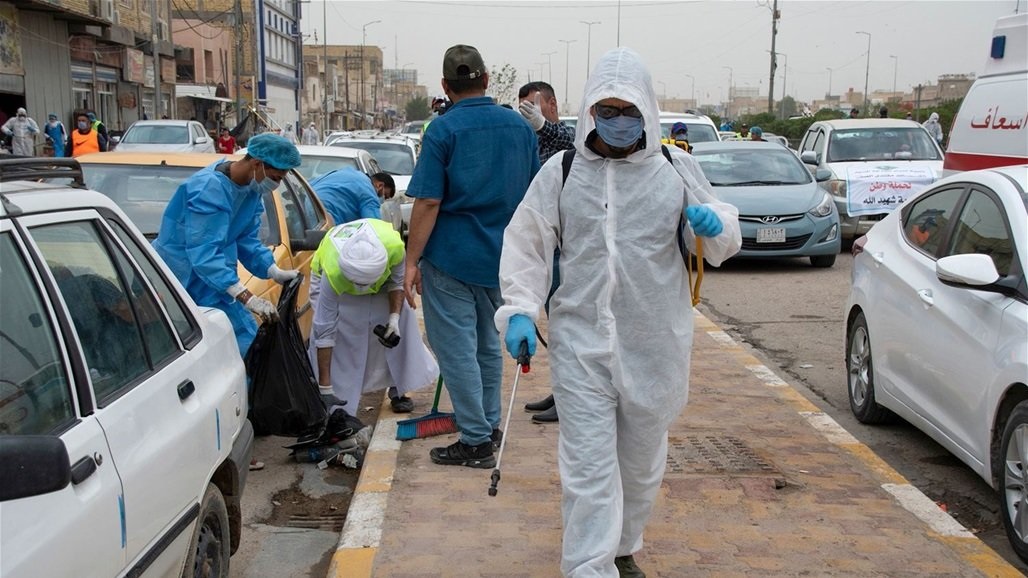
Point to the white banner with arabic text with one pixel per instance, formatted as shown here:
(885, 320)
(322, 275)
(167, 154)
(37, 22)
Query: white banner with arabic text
(880, 189)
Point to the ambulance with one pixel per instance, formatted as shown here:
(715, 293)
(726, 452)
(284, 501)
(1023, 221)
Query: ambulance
(991, 127)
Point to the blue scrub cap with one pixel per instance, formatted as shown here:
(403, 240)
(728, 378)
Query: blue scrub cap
(274, 150)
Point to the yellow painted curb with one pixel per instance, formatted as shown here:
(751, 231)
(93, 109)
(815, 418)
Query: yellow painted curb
(352, 563)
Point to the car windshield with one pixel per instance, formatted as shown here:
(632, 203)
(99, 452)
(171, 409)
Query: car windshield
(752, 167)
(312, 167)
(395, 158)
(143, 192)
(859, 144)
(156, 134)
(413, 128)
(698, 132)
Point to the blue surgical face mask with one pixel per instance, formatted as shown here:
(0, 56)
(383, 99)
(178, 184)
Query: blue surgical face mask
(83, 125)
(621, 131)
(267, 185)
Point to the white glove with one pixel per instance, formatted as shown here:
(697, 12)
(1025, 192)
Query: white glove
(532, 114)
(393, 328)
(262, 307)
(282, 276)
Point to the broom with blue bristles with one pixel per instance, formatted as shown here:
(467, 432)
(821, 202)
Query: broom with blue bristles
(435, 423)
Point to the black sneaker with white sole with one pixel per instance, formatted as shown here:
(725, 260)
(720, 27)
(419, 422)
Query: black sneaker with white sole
(496, 437)
(462, 454)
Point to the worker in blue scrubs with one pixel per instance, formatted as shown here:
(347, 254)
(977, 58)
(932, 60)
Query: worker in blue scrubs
(213, 221)
(348, 195)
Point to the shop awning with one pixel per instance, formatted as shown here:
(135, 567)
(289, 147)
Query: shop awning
(200, 91)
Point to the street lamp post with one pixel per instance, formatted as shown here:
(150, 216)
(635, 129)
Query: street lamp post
(867, 69)
(663, 90)
(693, 89)
(588, 46)
(728, 107)
(325, 123)
(567, 62)
(364, 40)
(829, 95)
(549, 66)
(895, 68)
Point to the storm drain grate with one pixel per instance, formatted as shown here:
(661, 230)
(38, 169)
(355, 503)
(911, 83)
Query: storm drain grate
(333, 522)
(714, 454)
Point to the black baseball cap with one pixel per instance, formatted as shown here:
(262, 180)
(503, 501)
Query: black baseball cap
(462, 62)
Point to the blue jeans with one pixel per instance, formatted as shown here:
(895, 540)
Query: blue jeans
(460, 329)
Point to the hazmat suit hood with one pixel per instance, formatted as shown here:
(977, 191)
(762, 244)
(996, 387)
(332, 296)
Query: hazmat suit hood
(934, 117)
(620, 73)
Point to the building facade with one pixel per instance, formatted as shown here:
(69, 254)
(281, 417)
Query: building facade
(70, 56)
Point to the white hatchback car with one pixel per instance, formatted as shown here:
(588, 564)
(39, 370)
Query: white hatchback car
(124, 441)
(166, 136)
(937, 327)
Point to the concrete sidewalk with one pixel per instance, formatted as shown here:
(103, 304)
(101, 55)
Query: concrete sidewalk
(759, 483)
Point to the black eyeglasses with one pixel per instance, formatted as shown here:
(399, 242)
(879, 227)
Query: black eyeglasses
(608, 112)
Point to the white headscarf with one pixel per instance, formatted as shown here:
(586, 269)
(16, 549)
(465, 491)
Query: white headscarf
(620, 73)
(362, 256)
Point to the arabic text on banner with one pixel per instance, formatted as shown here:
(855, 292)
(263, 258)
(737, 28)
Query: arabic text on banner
(880, 189)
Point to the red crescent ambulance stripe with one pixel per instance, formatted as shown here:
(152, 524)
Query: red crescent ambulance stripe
(970, 162)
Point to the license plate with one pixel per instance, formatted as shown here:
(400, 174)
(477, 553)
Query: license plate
(771, 235)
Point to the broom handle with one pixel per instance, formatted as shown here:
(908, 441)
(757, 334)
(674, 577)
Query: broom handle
(438, 392)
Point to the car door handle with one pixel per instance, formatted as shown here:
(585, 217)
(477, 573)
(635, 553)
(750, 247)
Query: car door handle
(926, 296)
(186, 389)
(82, 470)
(878, 257)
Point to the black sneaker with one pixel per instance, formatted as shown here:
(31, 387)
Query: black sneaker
(541, 405)
(627, 568)
(461, 454)
(496, 437)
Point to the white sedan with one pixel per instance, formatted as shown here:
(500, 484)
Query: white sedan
(937, 327)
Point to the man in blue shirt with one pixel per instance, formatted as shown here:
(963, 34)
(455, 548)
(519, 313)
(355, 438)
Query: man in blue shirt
(348, 195)
(473, 171)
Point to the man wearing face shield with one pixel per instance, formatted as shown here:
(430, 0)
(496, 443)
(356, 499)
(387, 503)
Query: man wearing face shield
(620, 323)
(212, 221)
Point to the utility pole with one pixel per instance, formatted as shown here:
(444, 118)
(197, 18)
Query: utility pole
(549, 66)
(589, 46)
(693, 89)
(567, 69)
(364, 40)
(785, 79)
(728, 106)
(237, 16)
(324, 86)
(774, 57)
(829, 95)
(867, 70)
(619, 23)
(895, 68)
(155, 38)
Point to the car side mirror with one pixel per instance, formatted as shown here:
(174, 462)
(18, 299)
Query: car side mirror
(310, 241)
(32, 465)
(822, 175)
(974, 270)
(810, 158)
(201, 140)
(115, 139)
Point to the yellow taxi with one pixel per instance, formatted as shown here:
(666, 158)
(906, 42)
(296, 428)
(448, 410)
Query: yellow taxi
(142, 183)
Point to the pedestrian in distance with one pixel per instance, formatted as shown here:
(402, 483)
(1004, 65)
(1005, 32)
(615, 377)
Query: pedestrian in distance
(357, 285)
(933, 127)
(910, 116)
(311, 136)
(757, 134)
(538, 106)
(883, 112)
(348, 195)
(84, 139)
(854, 112)
(620, 343)
(226, 142)
(213, 221)
(473, 170)
(56, 134)
(23, 130)
(290, 135)
(99, 126)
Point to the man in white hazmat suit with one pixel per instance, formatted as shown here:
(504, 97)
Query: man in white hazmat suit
(621, 322)
(356, 284)
(23, 130)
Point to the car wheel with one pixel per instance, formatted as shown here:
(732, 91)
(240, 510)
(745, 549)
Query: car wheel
(822, 260)
(1013, 486)
(861, 375)
(211, 545)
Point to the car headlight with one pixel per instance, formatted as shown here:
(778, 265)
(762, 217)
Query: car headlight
(824, 208)
(837, 187)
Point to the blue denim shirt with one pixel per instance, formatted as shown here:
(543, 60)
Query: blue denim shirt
(478, 160)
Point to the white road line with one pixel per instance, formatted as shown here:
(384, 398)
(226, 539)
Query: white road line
(928, 511)
(723, 339)
(767, 376)
(387, 441)
(830, 428)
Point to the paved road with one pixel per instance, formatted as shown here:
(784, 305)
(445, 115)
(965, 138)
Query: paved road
(792, 314)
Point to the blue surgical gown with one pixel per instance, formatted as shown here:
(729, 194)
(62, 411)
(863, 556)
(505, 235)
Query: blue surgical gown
(348, 195)
(209, 225)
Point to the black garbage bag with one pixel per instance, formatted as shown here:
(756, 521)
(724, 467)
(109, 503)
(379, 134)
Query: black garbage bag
(285, 399)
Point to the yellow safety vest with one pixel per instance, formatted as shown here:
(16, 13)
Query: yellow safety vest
(326, 258)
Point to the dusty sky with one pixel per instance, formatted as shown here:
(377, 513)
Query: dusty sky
(679, 38)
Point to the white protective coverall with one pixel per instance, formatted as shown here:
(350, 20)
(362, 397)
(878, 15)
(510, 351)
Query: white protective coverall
(620, 323)
(23, 131)
(359, 362)
(933, 127)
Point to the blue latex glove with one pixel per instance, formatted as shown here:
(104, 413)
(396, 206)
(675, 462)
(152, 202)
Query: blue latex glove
(704, 220)
(520, 328)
